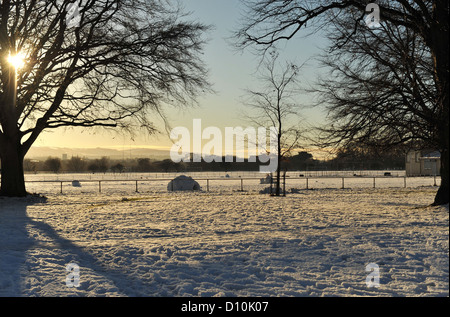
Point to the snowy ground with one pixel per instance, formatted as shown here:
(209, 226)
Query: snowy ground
(226, 243)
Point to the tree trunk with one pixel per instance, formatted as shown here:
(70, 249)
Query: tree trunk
(440, 47)
(442, 196)
(278, 188)
(13, 180)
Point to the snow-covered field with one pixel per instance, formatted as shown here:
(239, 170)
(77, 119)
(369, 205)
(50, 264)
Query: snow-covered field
(226, 243)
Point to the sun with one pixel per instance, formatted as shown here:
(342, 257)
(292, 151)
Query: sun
(17, 60)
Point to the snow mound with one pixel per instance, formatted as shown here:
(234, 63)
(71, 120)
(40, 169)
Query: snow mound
(183, 183)
(76, 184)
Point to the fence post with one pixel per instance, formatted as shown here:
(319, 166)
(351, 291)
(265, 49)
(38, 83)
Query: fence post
(404, 181)
(207, 185)
(374, 182)
(307, 183)
(137, 191)
(61, 187)
(99, 186)
(271, 184)
(343, 187)
(242, 184)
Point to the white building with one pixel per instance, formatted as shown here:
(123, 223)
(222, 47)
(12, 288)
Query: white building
(423, 163)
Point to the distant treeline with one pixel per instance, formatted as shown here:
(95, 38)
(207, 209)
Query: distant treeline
(302, 161)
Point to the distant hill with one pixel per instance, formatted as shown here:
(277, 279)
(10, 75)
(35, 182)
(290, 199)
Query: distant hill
(41, 153)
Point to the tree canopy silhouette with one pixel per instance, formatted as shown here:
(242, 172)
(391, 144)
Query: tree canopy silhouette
(411, 51)
(102, 63)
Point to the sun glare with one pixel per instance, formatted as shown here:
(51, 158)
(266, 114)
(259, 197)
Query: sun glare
(17, 61)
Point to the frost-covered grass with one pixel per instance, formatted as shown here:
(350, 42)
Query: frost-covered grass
(314, 243)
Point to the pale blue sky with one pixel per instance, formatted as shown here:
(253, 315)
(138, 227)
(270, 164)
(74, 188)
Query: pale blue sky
(230, 72)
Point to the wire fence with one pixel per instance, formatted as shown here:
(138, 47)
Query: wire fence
(209, 175)
(68, 184)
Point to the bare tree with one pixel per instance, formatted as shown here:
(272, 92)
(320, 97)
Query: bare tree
(274, 105)
(380, 91)
(30, 165)
(116, 67)
(271, 21)
(76, 164)
(53, 164)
